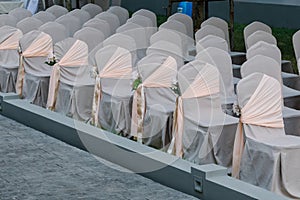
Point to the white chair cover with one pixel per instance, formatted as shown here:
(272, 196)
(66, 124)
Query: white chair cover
(168, 49)
(253, 27)
(9, 58)
(111, 19)
(219, 23)
(71, 23)
(92, 9)
(71, 86)
(209, 30)
(260, 36)
(104, 4)
(57, 31)
(8, 20)
(29, 24)
(222, 60)
(202, 133)
(211, 41)
(167, 35)
(147, 13)
(99, 24)
(266, 157)
(112, 92)
(296, 45)
(33, 73)
(144, 22)
(20, 13)
(57, 10)
(122, 13)
(138, 33)
(82, 15)
(90, 36)
(44, 16)
(154, 101)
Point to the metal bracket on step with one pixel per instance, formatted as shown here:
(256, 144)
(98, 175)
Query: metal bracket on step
(198, 184)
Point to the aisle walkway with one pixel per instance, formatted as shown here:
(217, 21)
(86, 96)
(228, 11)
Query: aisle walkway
(36, 166)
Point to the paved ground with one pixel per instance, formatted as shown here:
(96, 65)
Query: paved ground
(36, 166)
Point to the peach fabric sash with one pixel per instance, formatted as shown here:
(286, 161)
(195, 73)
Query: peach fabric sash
(12, 42)
(162, 77)
(206, 83)
(119, 66)
(264, 108)
(41, 46)
(76, 56)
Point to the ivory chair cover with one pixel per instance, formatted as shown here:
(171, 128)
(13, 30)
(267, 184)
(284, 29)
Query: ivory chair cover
(167, 35)
(211, 41)
(104, 4)
(189, 25)
(260, 36)
(144, 22)
(33, 74)
(99, 24)
(90, 36)
(122, 13)
(202, 133)
(180, 29)
(57, 10)
(168, 49)
(266, 157)
(262, 48)
(92, 9)
(296, 45)
(222, 60)
(270, 67)
(9, 58)
(71, 23)
(71, 86)
(154, 101)
(111, 104)
(29, 24)
(20, 13)
(147, 13)
(209, 30)
(111, 19)
(44, 16)
(57, 31)
(253, 27)
(8, 20)
(125, 42)
(82, 15)
(138, 33)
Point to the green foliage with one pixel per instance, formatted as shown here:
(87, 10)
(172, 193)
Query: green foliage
(136, 83)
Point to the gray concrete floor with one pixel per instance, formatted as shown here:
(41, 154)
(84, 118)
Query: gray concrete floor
(36, 166)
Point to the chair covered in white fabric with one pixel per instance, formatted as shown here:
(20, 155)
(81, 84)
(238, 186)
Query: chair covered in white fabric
(253, 27)
(168, 49)
(156, 101)
(44, 16)
(121, 12)
(92, 9)
(57, 31)
(124, 41)
(266, 65)
(209, 30)
(260, 36)
(263, 154)
(20, 13)
(71, 23)
(8, 20)
(104, 4)
(9, 58)
(111, 104)
(91, 36)
(144, 22)
(99, 24)
(138, 33)
(57, 10)
(291, 96)
(33, 74)
(82, 15)
(111, 19)
(222, 60)
(202, 132)
(167, 35)
(211, 41)
(71, 86)
(147, 13)
(29, 24)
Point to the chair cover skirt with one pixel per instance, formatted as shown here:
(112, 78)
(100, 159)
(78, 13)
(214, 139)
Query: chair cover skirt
(8, 79)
